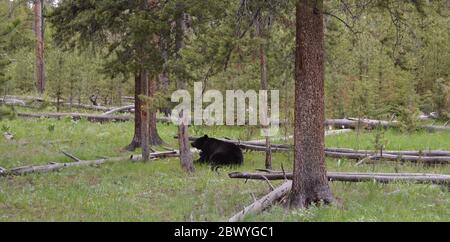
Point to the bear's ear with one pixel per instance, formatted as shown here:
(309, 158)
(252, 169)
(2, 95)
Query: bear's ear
(205, 136)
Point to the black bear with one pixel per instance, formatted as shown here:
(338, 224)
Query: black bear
(217, 152)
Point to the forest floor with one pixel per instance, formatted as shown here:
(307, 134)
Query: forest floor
(159, 190)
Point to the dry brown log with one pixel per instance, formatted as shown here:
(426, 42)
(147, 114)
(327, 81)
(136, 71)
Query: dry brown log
(391, 157)
(263, 203)
(394, 152)
(371, 124)
(59, 166)
(437, 179)
(162, 154)
(77, 116)
(337, 131)
(436, 127)
(128, 98)
(119, 109)
(359, 123)
(89, 117)
(85, 106)
(12, 102)
(26, 101)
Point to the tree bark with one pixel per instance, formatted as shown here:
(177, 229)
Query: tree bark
(154, 138)
(164, 80)
(136, 141)
(144, 116)
(183, 136)
(264, 83)
(39, 33)
(11, 9)
(310, 184)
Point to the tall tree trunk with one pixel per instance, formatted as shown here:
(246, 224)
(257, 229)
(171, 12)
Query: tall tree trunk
(58, 101)
(136, 141)
(164, 80)
(183, 135)
(310, 184)
(145, 118)
(264, 82)
(38, 29)
(11, 9)
(154, 138)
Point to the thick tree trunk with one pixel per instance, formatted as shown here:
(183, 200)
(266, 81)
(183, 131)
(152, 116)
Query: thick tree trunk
(310, 184)
(154, 138)
(145, 118)
(136, 141)
(39, 33)
(183, 136)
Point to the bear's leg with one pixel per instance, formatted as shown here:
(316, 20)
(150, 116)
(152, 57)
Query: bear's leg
(203, 158)
(224, 159)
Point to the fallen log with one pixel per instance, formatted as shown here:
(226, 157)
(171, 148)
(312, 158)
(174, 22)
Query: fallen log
(436, 127)
(129, 98)
(12, 102)
(327, 133)
(89, 117)
(119, 109)
(24, 170)
(436, 179)
(390, 157)
(77, 116)
(85, 106)
(27, 100)
(261, 204)
(394, 152)
(337, 131)
(361, 123)
(162, 154)
(372, 124)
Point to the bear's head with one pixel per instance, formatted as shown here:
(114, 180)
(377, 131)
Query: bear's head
(199, 143)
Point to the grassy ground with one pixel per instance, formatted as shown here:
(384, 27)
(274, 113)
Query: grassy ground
(160, 191)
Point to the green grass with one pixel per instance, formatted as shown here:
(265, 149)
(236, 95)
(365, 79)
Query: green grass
(161, 191)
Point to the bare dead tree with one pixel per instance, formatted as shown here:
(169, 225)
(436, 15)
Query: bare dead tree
(39, 33)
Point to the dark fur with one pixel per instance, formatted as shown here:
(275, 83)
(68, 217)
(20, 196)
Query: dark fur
(217, 152)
